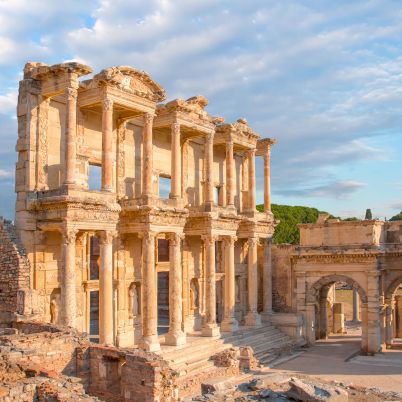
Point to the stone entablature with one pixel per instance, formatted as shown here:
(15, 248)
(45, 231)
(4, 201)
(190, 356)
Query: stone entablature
(102, 254)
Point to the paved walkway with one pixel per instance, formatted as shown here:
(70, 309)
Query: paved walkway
(326, 360)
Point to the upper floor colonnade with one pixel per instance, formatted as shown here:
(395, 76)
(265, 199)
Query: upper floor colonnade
(122, 96)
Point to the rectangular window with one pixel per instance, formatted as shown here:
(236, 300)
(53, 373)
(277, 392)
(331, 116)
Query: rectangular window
(163, 250)
(164, 186)
(94, 177)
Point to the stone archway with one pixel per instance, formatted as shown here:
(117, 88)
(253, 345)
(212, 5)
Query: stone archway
(316, 307)
(392, 315)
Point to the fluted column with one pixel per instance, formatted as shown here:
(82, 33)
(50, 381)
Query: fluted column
(210, 328)
(147, 156)
(230, 173)
(251, 179)
(267, 179)
(106, 287)
(252, 318)
(149, 303)
(267, 278)
(107, 145)
(229, 323)
(70, 134)
(175, 162)
(209, 158)
(68, 290)
(175, 336)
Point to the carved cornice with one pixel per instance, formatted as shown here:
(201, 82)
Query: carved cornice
(335, 258)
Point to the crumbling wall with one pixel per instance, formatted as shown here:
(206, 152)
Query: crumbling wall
(14, 268)
(282, 281)
(130, 376)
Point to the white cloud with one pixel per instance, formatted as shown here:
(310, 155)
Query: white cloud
(6, 173)
(8, 102)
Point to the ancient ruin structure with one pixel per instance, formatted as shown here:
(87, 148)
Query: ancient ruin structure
(118, 250)
(366, 255)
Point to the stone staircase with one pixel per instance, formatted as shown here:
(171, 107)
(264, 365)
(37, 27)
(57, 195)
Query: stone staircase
(193, 361)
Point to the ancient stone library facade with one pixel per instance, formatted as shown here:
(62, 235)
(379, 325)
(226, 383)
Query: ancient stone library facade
(138, 217)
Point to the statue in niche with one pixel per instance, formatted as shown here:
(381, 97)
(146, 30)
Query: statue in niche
(133, 301)
(193, 295)
(54, 311)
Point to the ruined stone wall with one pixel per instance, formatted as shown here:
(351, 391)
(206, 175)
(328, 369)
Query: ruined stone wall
(132, 376)
(14, 267)
(282, 280)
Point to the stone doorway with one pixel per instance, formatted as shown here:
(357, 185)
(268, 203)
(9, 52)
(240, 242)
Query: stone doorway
(163, 302)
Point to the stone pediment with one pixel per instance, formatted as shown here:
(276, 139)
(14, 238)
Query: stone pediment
(130, 80)
(41, 71)
(193, 106)
(240, 126)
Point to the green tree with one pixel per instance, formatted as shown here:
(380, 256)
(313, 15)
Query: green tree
(369, 215)
(397, 217)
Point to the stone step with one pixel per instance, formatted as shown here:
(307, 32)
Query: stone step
(250, 334)
(194, 367)
(253, 338)
(268, 343)
(245, 331)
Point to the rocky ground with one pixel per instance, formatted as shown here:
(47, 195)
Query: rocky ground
(280, 388)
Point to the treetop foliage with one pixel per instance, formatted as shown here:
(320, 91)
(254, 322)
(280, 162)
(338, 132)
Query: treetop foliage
(397, 217)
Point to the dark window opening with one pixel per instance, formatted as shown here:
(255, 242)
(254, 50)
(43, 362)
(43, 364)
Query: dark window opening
(94, 257)
(163, 250)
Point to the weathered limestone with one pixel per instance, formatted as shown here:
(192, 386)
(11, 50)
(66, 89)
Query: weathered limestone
(356, 308)
(106, 288)
(176, 162)
(267, 278)
(210, 327)
(175, 336)
(149, 302)
(174, 261)
(229, 323)
(252, 318)
(68, 291)
(70, 132)
(107, 138)
(339, 318)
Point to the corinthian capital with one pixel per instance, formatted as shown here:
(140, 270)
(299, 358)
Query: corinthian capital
(148, 118)
(253, 241)
(69, 235)
(107, 104)
(175, 239)
(71, 93)
(175, 128)
(106, 236)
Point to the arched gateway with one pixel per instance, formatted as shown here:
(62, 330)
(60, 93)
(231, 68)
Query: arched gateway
(367, 256)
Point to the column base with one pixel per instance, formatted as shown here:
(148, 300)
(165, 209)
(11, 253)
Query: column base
(210, 330)
(175, 338)
(266, 317)
(229, 325)
(231, 209)
(150, 343)
(252, 319)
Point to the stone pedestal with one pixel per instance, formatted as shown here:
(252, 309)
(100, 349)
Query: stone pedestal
(68, 289)
(175, 336)
(210, 328)
(252, 317)
(229, 323)
(149, 303)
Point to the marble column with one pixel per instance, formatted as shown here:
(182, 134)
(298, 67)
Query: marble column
(251, 179)
(70, 135)
(267, 279)
(229, 323)
(252, 318)
(210, 328)
(68, 290)
(107, 145)
(175, 336)
(356, 311)
(149, 301)
(106, 287)
(175, 162)
(209, 158)
(230, 174)
(389, 333)
(267, 179)
(373, 313)
(147, 156)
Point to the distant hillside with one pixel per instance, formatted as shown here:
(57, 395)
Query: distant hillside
(397, 217)
(287, 231)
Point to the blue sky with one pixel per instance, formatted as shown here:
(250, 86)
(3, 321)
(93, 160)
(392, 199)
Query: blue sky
(323, 77)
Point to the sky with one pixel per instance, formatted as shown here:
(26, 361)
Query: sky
(323, 77)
